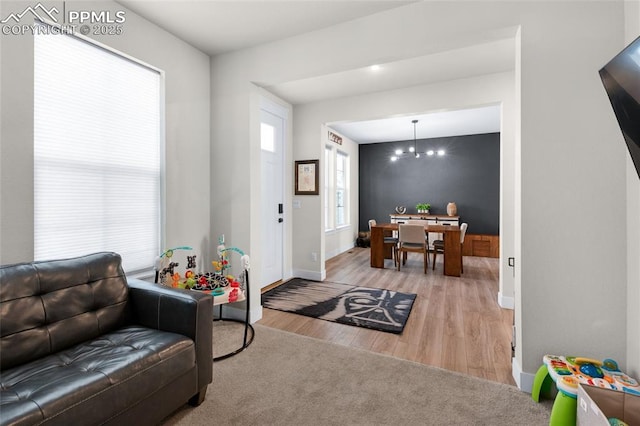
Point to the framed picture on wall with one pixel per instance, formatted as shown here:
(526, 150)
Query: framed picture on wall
(307, 177)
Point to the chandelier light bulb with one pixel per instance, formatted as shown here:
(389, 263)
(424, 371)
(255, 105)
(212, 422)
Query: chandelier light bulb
(399, 153)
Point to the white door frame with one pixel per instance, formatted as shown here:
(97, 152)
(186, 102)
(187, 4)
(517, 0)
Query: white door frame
(272, 196)
(282, 111)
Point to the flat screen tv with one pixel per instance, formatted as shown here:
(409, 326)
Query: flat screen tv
(621, 79)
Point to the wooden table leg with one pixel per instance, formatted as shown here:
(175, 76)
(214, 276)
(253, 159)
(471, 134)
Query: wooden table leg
(452, 253)
(377, 247)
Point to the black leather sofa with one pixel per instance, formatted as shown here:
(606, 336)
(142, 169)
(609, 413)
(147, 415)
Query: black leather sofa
(82, 344)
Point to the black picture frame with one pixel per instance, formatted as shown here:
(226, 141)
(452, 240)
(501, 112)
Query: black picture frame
(307, 177)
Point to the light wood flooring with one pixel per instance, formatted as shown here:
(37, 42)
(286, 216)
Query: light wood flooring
(455, 323)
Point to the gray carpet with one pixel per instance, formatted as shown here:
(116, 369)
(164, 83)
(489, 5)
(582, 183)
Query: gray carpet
(287, 379)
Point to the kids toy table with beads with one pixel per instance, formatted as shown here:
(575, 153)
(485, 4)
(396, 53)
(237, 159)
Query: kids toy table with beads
(224, 287)
(567, 372)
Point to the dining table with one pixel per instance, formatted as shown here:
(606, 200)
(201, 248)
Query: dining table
(452, 246)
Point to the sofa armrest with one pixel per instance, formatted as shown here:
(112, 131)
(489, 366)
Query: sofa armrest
(185, 312)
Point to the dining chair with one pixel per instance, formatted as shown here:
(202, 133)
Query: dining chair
(388, 240)
(411, 239)
(422, 223)
(438, 246)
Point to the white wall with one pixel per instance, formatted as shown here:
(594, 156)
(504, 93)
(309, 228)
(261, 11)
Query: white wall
(565, 117)
(632, 14)
(186, 126)
(566, 165)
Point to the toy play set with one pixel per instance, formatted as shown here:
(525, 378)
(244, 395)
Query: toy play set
(567, 373)
(223, 286)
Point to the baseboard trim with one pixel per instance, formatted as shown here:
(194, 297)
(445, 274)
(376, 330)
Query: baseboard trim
(255, 314)
(237, 313)
(524, 381)
(506, 302)
(310, 275)
(341, 250)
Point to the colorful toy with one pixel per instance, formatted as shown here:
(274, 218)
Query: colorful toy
(165, 264)
(225, 287)
(567, 373)
(616, 422)
(233, 295)
(175, 280)
(189, 283)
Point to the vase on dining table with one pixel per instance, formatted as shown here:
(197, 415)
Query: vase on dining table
(452, 209)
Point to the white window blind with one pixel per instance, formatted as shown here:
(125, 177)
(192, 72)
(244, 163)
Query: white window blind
(97, 145)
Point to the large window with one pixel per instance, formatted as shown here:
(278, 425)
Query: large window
(336, 186)
(97, 153)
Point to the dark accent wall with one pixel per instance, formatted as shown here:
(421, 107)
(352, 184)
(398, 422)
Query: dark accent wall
(469, 175)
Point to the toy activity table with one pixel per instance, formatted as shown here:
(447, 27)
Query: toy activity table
(224, 287)
(228, 296)
(567, 372)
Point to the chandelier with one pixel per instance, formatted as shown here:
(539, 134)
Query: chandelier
(413, 150)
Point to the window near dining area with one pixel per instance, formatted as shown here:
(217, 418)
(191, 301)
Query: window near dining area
(328, 157)
(97, 152)
(341, 189)
(336, 185)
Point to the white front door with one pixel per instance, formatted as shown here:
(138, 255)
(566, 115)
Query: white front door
(272, 189)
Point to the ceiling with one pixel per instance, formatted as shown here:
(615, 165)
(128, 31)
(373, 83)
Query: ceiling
(219, 26)
(470, 121)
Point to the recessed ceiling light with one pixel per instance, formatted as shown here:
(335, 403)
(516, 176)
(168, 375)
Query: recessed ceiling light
(375, 67)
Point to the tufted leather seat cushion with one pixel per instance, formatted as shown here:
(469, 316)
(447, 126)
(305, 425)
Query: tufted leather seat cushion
(113, 372)
(49, 306)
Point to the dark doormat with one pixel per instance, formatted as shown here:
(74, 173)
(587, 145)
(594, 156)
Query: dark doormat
(373, 308)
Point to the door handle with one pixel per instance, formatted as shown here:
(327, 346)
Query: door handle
(280, 220)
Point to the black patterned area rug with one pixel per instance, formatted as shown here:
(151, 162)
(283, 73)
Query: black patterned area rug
(373, 308)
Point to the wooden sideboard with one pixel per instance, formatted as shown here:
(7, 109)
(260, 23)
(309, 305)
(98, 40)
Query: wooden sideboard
(481, 245)
(431, 219)
(437, 219)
